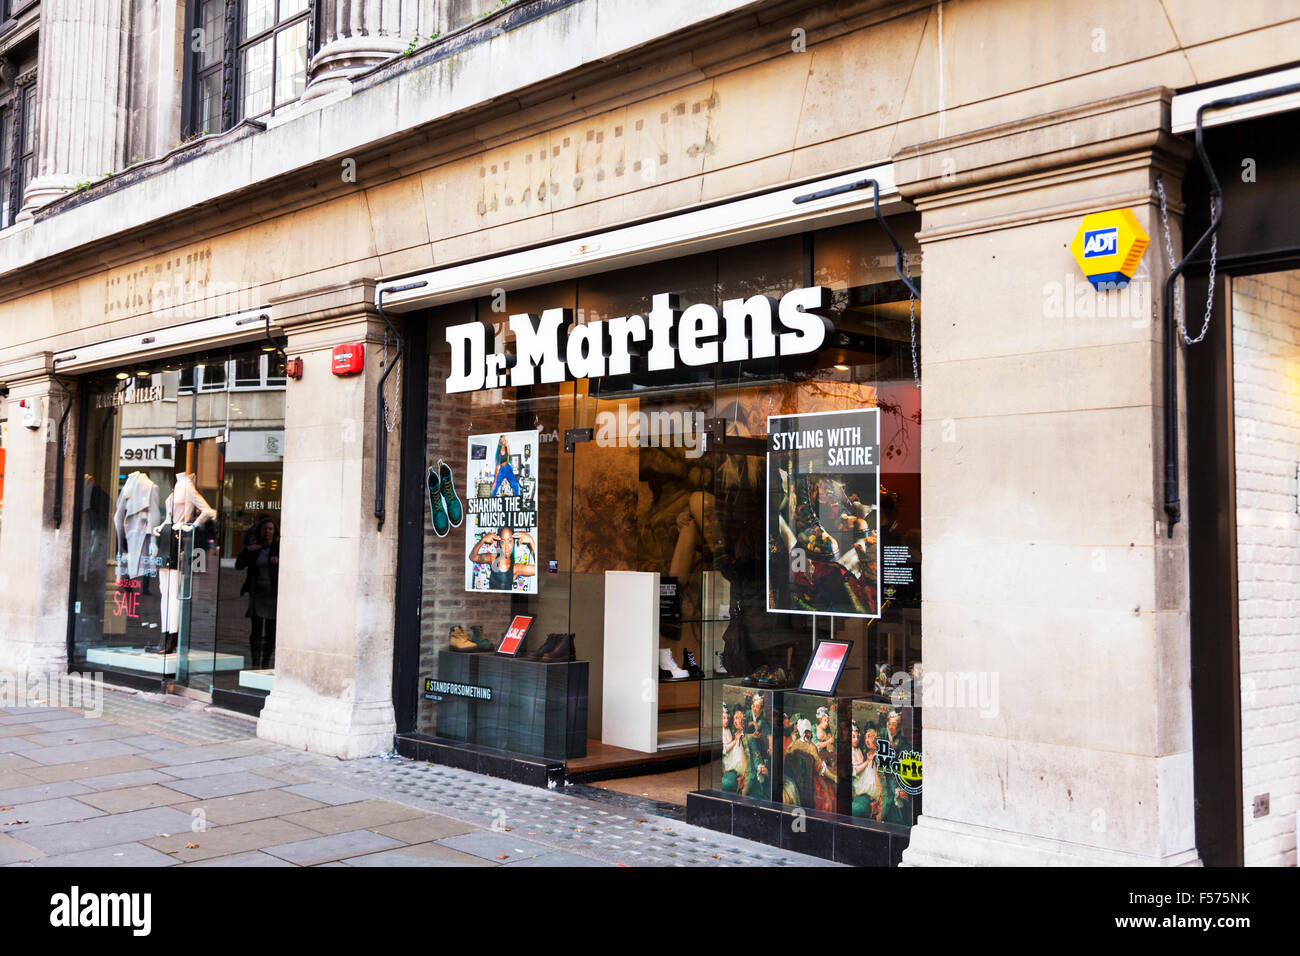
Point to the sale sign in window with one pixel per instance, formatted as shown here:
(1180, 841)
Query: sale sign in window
(824, 669)
(515, 635)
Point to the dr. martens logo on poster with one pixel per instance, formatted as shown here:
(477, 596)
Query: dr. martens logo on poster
(904, 765)
(909, 771)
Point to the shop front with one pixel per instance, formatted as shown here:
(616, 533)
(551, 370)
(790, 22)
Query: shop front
(177, 523)
(693, 487)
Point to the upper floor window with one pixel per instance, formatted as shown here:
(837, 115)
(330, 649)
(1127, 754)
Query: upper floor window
(248, 72)
(6, 162)
(260, 370)
(17, 148)
(272, 54)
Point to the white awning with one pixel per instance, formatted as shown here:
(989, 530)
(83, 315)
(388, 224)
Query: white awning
(763, 216)
(1182, 111)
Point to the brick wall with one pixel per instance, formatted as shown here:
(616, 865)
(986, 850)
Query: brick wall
(444, 601)
(1266, 357)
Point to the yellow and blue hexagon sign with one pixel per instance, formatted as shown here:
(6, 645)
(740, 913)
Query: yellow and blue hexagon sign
(1108, 247)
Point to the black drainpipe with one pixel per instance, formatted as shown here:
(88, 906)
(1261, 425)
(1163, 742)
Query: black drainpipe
(1173, 506)
(59, 456)
(381, 433)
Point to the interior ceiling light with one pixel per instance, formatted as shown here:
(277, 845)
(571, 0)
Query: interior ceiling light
(122, 376)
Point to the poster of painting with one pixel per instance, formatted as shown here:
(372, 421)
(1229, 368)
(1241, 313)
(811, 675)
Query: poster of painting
(823, 513)
(747, 756)
(886, 762)
(814, 771)
(501, 549)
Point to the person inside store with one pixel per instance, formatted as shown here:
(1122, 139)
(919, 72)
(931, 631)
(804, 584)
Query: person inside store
(504, 567)
(505, 470)
(260, 562)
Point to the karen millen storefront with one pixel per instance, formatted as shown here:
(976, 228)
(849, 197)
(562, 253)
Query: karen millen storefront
(692, 487)
(176, 554)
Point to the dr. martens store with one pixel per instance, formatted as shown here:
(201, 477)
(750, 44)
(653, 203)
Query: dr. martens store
(176, 547)
(690, 483)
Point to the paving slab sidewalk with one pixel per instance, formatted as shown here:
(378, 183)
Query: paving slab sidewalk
(151, 781)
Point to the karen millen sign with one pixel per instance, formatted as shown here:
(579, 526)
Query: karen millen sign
(549, 348)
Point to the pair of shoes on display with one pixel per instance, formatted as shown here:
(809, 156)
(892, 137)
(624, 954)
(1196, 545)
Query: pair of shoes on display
(465, 644)
(444, 504)
(718, 667)
(557, 649)
(668, 669)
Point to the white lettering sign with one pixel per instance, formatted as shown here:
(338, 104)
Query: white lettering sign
(550, 348)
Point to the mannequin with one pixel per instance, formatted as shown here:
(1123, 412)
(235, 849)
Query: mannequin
(134, 517)
(184, 508)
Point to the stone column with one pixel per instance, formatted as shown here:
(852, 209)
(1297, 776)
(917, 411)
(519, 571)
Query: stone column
(35, 557)
(78, 97)
(333, 689)
(1057, 710)
(355, 35)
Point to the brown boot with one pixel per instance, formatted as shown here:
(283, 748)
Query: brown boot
(562, 650)
(460, 641)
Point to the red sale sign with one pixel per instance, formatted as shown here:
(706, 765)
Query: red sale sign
(515, 635)
(824, 669)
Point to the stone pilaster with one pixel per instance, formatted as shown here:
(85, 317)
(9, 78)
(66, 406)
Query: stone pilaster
(334, 653)
(35, 556)
(1057, 709)
(355, 35)
(80, 61)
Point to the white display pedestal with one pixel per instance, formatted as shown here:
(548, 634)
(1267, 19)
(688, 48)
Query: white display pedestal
(630, 694)
(258, 680)
(152, 662)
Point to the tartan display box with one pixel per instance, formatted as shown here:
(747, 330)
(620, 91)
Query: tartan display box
(538, 709)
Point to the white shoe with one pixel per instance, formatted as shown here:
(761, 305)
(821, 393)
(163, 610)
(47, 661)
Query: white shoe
(717, 663)
(666, 663)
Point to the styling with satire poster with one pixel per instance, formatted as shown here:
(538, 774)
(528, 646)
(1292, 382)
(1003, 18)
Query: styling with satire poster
(823, 513)
(501, 513)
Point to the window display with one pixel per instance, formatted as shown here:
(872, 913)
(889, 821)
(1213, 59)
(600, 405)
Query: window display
(686, 515)
(177, 534)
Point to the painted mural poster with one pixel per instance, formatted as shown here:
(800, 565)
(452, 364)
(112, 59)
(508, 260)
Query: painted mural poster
(823, 513)
(501, 551)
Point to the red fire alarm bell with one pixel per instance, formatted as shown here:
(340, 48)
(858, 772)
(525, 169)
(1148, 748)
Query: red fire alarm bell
(349, 359)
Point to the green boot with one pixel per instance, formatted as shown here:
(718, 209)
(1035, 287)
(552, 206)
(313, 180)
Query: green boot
(440, 523)
(476, 635)
(448, 488)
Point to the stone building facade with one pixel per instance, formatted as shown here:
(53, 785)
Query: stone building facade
(188, 179)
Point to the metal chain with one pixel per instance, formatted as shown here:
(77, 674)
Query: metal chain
(1169, 255)
(911, 316)
(390, 420)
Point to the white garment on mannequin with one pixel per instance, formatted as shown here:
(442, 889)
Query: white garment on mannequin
(185, 505)
(135, 516)
(184, 508)
(169, 581)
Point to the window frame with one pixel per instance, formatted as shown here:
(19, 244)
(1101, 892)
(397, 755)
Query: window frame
(246, 43)
(8, 151)
(20, 104)
(231, 112)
